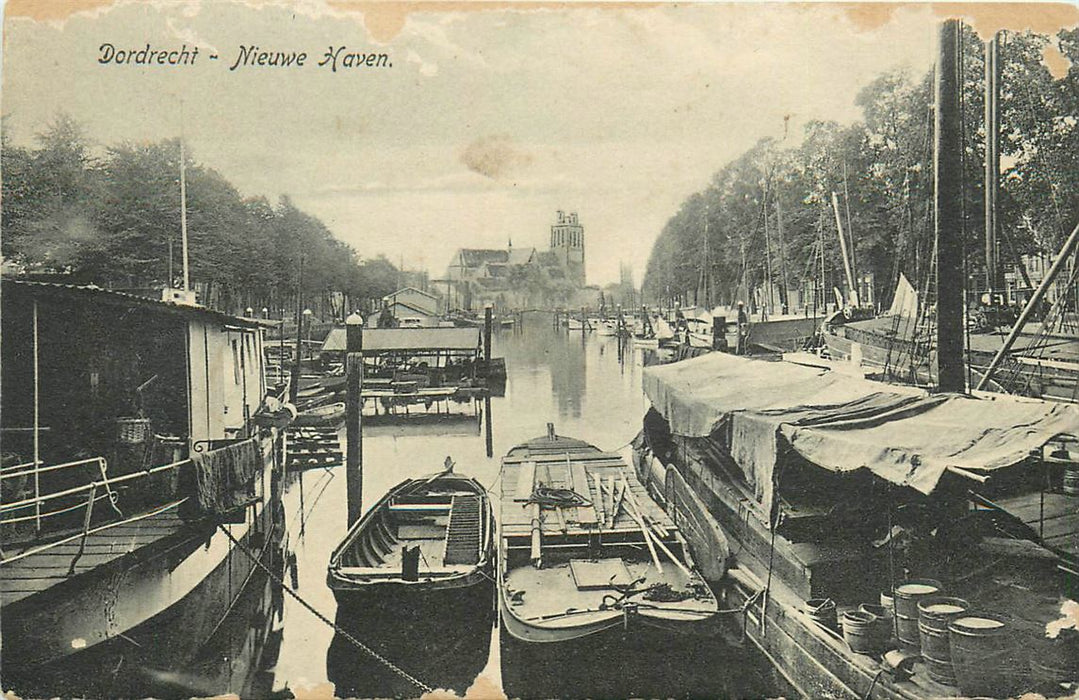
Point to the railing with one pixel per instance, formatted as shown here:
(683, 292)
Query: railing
(106, 483)
(8, 473)
(28, 469)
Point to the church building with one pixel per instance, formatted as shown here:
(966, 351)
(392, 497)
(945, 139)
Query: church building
(520, 277)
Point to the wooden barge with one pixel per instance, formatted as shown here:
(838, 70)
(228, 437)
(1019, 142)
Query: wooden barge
(837, 490)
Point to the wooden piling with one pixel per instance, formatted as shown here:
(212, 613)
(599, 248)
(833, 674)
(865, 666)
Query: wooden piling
(353, 417)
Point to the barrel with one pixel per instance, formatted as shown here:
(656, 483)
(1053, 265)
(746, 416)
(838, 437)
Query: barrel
(865, 633)
(987, 656)
(907, 594)
(885, 622)
(822, 611)
(934, 614)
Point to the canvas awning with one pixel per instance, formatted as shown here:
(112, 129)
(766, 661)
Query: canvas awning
(843, 423)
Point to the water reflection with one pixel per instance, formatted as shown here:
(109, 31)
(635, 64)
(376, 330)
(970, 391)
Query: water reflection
(447, 650)
(589, 387)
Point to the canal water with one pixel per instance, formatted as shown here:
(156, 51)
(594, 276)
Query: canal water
(588, 389)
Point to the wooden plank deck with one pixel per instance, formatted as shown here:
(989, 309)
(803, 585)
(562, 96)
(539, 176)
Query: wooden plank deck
(569, 468)
(43, 569)
(1057, 520)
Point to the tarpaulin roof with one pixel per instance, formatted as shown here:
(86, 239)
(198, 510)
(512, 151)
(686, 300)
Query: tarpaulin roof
(382, 340)
(844, 423)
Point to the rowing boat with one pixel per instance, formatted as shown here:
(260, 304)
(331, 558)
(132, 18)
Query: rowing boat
(432, 535)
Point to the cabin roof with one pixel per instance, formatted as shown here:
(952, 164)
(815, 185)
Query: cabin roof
(384, 340)
(98, 295)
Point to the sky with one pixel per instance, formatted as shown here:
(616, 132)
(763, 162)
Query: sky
(488, 120)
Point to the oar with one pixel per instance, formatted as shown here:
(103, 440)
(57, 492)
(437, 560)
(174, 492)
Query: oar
(597, 502)
(643, 518)
(618, 503)
(611, 489)
(635, 514)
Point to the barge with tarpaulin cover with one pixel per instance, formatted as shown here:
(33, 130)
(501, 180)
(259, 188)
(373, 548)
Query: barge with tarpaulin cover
(847, 501)
(140, 488)
(589, 568)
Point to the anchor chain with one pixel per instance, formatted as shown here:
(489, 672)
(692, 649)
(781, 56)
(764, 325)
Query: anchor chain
(336, 628)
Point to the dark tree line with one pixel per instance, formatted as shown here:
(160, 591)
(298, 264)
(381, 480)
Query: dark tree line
(765, 214)
(114, 221)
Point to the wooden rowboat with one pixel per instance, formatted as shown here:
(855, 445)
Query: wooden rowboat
(585, 550)
(429, 541)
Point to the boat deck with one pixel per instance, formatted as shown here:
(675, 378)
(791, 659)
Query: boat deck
(595, 560)
(1056, 518)
(576, 468)
(567, 594)
(40, 567)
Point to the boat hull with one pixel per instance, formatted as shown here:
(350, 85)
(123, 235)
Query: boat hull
(171, 596)
(642, 660)
(441, 636)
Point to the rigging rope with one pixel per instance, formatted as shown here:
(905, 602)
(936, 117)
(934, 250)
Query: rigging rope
(557, 498)
(336, 628)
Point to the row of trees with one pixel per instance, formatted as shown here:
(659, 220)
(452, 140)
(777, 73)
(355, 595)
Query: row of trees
(766, 214)
(114, 221)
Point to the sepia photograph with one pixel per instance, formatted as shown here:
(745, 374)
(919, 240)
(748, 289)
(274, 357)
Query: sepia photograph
(495, 349)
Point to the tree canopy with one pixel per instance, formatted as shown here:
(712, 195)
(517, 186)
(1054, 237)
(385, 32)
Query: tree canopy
(114, 221)
(766, 214)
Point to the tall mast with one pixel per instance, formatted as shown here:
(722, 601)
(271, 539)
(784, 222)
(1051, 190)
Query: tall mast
(992, 163)
(706, 272)
(767, 251)
(843, 249)
(784, 290)
(183, 213)
(850, 227)
(951, 372)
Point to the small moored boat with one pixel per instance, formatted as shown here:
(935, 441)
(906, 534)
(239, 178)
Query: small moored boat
(426, 538)
(584, 549)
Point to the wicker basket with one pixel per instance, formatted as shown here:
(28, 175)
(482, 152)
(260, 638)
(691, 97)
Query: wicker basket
(133, 431)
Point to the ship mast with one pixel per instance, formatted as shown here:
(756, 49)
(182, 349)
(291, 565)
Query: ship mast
(947, 154)
(993, 280)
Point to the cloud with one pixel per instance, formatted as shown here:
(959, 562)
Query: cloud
(495, 157)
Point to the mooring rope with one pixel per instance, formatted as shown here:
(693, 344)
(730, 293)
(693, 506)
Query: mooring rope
(336, 628)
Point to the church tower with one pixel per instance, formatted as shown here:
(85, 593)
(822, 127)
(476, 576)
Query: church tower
(567, 243)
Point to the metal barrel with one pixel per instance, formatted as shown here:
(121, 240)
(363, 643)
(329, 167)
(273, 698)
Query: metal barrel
(823, 612)
(1071, 480)
(1054, 661)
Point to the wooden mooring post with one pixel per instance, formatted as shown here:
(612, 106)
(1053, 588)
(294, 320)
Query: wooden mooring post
(353, 416)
